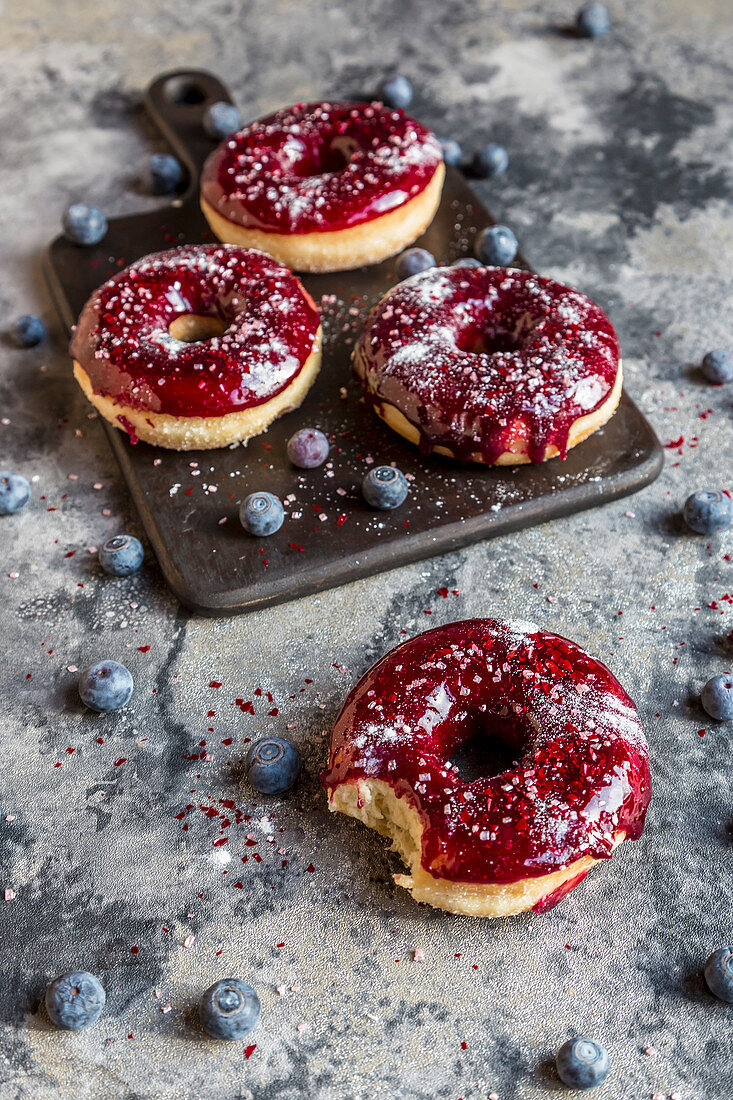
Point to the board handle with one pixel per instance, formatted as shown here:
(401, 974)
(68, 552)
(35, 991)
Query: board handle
(176, 102)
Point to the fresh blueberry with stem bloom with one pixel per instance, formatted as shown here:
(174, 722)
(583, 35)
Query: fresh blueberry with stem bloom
(75, 1000)
(105, 686)
(229, 1009)
(121, 555)
(84, 224)
(413, 261)
(582, 1063)
(272, 765)
(708, 511)
(163, 173)
(717, 697)
(496, 246)
(384, 487)
(308, 448)
(592, 20)
(452, 152)
(719, 973)
(396, 91)
(28, 330)
(15, 492)
(261, 514)
(221, 119)
(492, 160)
(717, 366)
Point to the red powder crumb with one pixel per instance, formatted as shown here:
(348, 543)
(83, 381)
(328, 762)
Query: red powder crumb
(310, 868)
(214, 684)
(701, 733)
(464, 1045)
(249, 1051)
(121, 760)
(134, 950)
(144, 648)
(294, 546)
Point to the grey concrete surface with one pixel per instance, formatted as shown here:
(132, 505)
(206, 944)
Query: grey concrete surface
(619, 182)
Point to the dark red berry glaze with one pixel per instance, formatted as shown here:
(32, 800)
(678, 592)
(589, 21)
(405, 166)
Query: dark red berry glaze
(123, 344)
(476, 358)
(582, 778)
(320, 167)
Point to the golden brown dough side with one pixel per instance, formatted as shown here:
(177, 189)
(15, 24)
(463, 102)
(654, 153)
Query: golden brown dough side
(342, 249)
(375, 803)
(188, 433)
(580, 429)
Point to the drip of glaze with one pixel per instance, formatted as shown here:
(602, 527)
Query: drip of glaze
(269, 322)
(320, 167)
(582, 774)
(478, 359)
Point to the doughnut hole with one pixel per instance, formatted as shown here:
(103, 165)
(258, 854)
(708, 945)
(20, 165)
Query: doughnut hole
(192, 328)
(488, 745)
(330, 157)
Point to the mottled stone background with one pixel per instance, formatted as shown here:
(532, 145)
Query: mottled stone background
(619, 182)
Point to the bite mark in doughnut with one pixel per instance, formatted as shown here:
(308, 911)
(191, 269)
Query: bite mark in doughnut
(325, 186)
(505, 843)
(197, 347)
(490, 365)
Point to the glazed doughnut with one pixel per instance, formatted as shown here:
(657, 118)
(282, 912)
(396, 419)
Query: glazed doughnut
(197, 347)
(488, 364)
(504, 843)
(325, 186)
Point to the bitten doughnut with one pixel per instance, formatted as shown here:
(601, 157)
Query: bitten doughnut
(197, 347)
(489, 364)
(325, 186)
(504, 843)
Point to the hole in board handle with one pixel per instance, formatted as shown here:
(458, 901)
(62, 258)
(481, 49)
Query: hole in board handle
(184, 91)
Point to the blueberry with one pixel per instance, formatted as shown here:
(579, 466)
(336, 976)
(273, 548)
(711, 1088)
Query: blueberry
(708, 511)
(592, 20)
(84, 224)
(221, 119)
(229, 1009)
(717, 697)
(272, 765)
(467, 261)
(452, 152)
(308, 448)
(717, 366)
(492, 160)
(105, 686)
(163, 173)
(28, 331)
(496, 246)
(719, 973)
(15, 492)
(121, 555)
(75, 1000)
(261, 514)
(413, 261)
(582, 1063)
(396, 91)
(384, 487)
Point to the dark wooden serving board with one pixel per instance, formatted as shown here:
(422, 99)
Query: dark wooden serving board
(213, 566)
